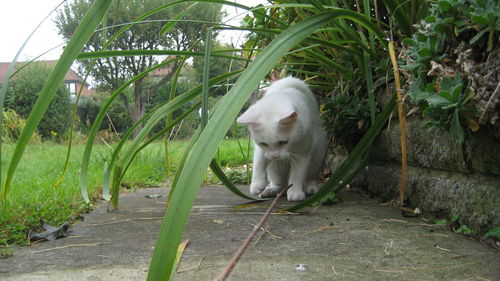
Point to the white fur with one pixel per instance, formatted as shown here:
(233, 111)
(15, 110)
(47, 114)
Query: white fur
(289, 141)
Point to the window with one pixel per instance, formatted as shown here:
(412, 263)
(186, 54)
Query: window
(72, 90)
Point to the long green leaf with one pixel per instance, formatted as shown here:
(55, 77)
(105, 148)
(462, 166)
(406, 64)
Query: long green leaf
(97, 124)
(227, 182)
(401, 14)
(205, 76)
(152, 117)
(75, 45)
(204, 148)
(341, 176)
(120, 53)
(367, 64)
(8, 76)
(169, 118)
(167, 27)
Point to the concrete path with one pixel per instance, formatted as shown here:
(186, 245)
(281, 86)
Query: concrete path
(360, 239)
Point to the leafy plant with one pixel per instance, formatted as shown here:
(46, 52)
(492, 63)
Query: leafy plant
(464, 229)
(307, 40)
(347, 117)
(448, 107)
(440, 81)
(13, 124)
(204, 147)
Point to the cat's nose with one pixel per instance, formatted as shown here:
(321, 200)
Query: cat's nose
(275, 155)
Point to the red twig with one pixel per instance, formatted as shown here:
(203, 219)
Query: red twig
(243, 247)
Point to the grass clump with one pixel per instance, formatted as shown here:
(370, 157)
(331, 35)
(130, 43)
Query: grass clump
(36, 195)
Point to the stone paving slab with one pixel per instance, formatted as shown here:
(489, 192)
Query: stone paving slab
(360, 239)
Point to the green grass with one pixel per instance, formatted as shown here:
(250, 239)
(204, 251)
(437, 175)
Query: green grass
(35, 195)
(233, 152)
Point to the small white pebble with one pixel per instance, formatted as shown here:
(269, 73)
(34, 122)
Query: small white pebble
(301, 267)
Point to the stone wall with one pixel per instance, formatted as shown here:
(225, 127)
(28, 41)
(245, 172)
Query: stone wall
(444, 177)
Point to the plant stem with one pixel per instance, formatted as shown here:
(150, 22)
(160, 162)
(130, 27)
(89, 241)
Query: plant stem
(244, 246)
(402, 122)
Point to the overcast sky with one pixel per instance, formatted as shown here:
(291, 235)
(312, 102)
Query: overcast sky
(18, 18)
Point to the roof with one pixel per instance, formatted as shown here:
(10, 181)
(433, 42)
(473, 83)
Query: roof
(70, 75)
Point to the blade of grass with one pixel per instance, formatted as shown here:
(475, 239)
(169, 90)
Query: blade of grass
(75, 45)
(204, 148)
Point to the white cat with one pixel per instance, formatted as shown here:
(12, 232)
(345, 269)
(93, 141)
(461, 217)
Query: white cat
(289, 141)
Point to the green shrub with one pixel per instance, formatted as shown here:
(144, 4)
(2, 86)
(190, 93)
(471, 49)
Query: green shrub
(13, 124)
(23, 93)
(347, 118)
(117, 118)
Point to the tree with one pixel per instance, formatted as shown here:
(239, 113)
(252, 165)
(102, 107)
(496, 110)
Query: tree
(23, 94)
(109, 73)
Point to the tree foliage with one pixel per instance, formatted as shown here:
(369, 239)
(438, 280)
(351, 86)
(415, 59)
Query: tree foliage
(24, 92)
(110, 72)
(218, 65)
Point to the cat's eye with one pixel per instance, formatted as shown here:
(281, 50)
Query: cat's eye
(281, 143)
(263, 144)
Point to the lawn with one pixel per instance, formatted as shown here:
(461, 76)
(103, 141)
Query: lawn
(36, 195)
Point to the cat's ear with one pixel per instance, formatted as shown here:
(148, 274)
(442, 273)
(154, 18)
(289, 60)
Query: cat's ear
(248, 118)
(289, 118)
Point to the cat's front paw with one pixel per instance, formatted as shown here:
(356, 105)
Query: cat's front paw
(311, 188)
(295, 195)
(269, 191)
(257, 187)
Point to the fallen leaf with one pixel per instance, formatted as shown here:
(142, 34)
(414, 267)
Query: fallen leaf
(180, 251)
(50, 233)
(243, 206)
(473, 125)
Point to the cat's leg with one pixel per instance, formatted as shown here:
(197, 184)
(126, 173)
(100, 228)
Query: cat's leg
(313, 175)
(298, 173)
(316, 162)
(259, 175)
(312, 186)
(277, 173)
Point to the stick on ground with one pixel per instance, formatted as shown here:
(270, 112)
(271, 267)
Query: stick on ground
(243, 247)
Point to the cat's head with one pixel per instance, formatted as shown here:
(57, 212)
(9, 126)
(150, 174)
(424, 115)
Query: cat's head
(273, 128)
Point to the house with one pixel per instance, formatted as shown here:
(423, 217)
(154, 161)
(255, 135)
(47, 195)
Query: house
(72, 80)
